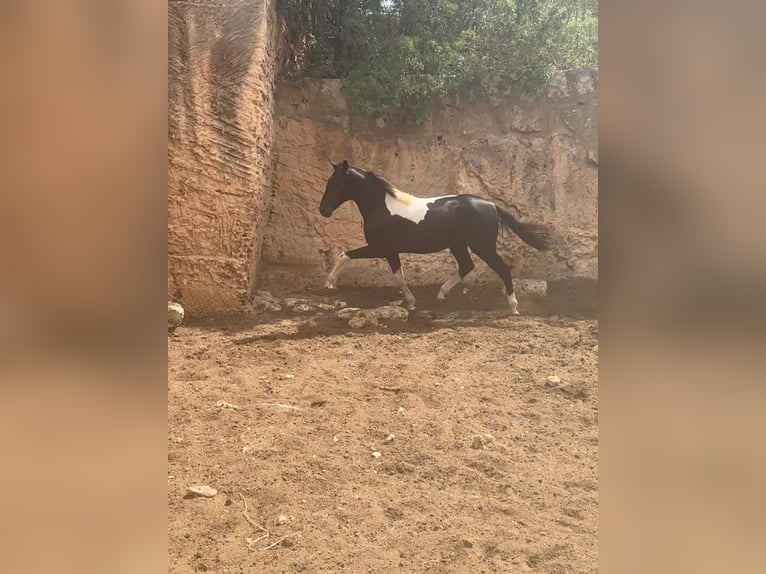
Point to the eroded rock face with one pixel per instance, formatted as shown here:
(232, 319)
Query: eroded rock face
(534, 157)
(221, 70)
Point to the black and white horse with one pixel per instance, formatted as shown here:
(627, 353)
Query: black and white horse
(396, 222)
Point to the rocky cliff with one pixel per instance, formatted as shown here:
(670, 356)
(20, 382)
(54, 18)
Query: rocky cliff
(536, 157)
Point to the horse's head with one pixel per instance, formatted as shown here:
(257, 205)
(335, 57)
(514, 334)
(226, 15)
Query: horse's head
(339, 189)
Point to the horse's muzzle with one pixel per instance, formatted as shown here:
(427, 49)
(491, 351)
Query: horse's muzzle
(324, 212)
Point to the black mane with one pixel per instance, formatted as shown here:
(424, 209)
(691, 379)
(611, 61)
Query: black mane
(378, 181)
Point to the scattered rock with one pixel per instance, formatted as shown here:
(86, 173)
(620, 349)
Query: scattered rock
(595, 349)
(593, 156)
(265, 301)
(347, 313)
(363, 319)
(281, 520)
(289, 377)
(389, 438)
(335, 439)
(553, 381)
(530, 287)
(225, 405)
(302, 308)
(390, 312)
(401, 410)
(175, 316)
(200, 490)
(482, 441)
(376, 454)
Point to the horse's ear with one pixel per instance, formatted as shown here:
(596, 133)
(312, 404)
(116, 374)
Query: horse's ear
(344, 166)
(333, 164)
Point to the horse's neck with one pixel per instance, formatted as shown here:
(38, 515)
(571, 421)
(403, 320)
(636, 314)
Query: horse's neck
(369, 202)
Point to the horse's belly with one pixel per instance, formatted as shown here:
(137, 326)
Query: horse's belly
(424, 240)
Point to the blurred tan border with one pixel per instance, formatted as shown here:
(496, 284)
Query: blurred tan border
(82, 286)
(683, 269)
(82, 238)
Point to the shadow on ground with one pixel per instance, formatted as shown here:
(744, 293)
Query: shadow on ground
(480, 304)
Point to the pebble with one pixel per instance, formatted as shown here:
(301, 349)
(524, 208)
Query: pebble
(481, 441)
(281, 519)
(225, 405)
(201, 490)
(553, 380)
(175, 316)
(376, 454)
(389, 438)
(401, 410)
(289, 376)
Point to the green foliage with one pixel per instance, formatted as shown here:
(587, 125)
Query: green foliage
(396, 56)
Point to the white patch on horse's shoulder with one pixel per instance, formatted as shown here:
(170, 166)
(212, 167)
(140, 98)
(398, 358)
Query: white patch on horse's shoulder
(402, 196)
(408, 206)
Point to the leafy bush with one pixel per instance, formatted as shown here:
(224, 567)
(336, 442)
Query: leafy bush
(396, 56)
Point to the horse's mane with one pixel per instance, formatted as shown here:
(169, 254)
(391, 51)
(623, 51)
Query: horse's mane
(381, 182)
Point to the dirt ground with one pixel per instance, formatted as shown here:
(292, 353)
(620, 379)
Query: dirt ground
(491, 467)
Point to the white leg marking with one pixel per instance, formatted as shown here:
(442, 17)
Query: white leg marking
(513, 303)
(409, 298)
(448, 285)
(333, 276)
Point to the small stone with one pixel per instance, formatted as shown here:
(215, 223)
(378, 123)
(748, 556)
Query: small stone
(347, 313)
(281, 520)
(401, 410)
(530, 287)
(595, 349)
(391, 312)
(289, 377)
(553, 381)
(225, 405)
(335, 439)
(301, 308)
(287, 543)
(363, 320)
(201, 490)
(175, 316)
(481, 441)
(389, 438)
(376, 454)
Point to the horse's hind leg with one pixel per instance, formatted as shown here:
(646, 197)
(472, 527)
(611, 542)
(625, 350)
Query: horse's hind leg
(497, 264)
(464, 267)
(396, 269)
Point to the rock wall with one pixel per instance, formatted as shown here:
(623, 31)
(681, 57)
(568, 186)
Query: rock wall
(536, 157)
(222, 60)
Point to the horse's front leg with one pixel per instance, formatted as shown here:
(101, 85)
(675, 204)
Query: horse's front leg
(332, 277)
(396, 269)
(366, 252)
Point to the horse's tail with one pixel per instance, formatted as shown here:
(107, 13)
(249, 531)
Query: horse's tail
(533, 234)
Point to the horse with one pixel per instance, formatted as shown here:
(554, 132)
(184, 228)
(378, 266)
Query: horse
(396, 222)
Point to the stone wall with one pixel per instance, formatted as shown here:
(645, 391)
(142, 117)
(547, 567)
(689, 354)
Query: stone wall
(536, 157)
(222, 60)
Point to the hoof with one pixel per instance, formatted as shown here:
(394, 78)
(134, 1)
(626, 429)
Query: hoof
(440, 296)
(331, 286)
(515, 312)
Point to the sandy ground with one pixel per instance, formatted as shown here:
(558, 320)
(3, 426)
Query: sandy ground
(491, 467)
